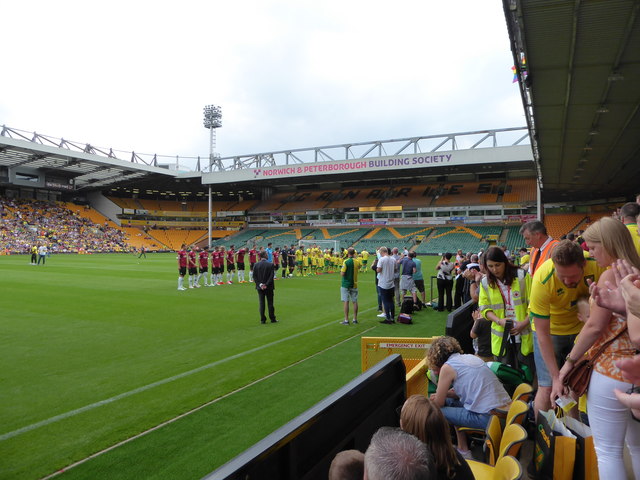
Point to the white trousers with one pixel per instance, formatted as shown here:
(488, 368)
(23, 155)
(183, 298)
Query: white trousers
(611, 424)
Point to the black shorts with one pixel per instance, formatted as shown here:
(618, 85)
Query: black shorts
(215, 270)
(241, 266)
(251, 266)
(204, 269)
(419, 285)
(182, 271)
(231, 267)
(193, 270)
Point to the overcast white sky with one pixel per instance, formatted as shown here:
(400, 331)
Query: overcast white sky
(135, 75)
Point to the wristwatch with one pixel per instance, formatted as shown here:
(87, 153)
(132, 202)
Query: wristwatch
(569, 359)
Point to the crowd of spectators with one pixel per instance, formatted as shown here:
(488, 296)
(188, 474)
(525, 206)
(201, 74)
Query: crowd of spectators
(28, 223)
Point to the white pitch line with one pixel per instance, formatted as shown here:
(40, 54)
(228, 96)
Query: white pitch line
(194, 410)
(86, 408)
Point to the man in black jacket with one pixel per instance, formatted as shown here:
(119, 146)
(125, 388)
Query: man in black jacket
(263, 278)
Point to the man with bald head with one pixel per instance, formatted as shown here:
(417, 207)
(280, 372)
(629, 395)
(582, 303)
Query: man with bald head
(628, 215)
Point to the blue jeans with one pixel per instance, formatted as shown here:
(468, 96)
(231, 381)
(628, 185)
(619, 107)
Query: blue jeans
(387, 302)
(459, 416)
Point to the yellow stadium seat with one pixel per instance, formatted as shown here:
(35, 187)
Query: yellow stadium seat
(517, 413)
(492, 441)
(523, 392)
(507, 468)
(513, 438)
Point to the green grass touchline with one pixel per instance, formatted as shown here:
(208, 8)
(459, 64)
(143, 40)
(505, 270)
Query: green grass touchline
(100, 351)
(149, 386)
(190, 412)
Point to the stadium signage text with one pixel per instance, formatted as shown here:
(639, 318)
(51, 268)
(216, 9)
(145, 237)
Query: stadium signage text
(351, 166)
(479, 156)
(404, 345)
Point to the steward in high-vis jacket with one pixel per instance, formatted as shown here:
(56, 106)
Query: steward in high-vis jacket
(504, 296)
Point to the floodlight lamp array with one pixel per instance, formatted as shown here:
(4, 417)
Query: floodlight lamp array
(212, 116)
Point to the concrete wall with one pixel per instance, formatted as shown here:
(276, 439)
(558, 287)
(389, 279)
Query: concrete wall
(105, 206)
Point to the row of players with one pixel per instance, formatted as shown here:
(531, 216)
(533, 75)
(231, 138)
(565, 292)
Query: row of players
(312, 261)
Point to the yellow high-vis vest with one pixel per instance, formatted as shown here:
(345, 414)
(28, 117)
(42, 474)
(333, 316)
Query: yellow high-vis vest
(491, 300)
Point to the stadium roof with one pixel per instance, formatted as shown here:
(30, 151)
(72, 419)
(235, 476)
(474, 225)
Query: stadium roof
(578, 63)
(88, 167)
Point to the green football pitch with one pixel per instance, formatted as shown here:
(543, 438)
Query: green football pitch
(108, 371)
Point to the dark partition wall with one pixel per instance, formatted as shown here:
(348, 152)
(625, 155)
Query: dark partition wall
(304, 447)
(459, 323)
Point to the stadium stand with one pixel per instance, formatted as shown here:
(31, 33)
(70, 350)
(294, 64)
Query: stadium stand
(287, 236)
(346, 236)
(138, 238)
(409, 196)
(456, 194)
(90, 213)
(512, 239)
(520, 191)
(559, 224)
(247, 237)
(274, 204)
(35, 222)
(124, 202)
(304, 201)
(449, 239)
(363, 197)
(173, 239)
(592, 218)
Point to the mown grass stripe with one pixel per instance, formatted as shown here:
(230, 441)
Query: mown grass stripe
(194, 410)
(77, 411)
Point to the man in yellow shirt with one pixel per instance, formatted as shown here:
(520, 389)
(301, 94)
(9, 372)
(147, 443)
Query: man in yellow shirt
(557, 286)
(628, 214)
(524, 258)
(364, 255)
(298, 255)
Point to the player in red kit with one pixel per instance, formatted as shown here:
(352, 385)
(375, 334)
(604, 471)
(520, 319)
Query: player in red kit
(253, 256)
(182, 266)
(216, 264)
(231, 264)
(240, 264)
(192, 266)
(203, 260)
(276, 262)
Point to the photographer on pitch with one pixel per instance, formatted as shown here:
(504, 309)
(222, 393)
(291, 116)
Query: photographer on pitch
(445, 282)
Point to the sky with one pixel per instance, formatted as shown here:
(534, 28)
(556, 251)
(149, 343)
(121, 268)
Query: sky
(135, 75)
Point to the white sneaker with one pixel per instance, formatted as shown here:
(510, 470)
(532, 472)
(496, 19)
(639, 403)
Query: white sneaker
(181, 288)
(344, 322)
(381, 315)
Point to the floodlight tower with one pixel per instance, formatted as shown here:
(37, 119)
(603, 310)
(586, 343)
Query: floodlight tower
(212, 120)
